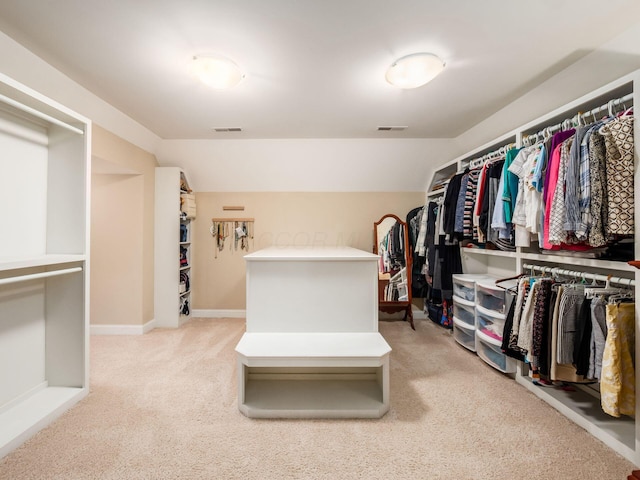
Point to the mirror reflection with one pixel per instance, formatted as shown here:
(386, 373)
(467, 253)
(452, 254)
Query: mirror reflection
(394, 266)
(390, 235)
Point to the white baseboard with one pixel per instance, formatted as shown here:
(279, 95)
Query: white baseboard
(417, 314)
(219, 313)
(151, 324)
(122, 329)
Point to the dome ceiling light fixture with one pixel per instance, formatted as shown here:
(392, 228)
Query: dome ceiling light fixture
(415, 70)
(216, 71)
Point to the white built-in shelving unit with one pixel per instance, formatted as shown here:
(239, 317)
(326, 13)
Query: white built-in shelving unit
(582, 405)
(44, 261)
(172, 251)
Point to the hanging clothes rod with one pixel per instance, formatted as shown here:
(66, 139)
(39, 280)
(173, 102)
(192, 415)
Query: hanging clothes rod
(575, 120)
(36, 276)
(585, 275)
(220, 220)
(39, 114)
(500, 152)
(609, 105)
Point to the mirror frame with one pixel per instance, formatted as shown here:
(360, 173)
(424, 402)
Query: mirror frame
(396, 306)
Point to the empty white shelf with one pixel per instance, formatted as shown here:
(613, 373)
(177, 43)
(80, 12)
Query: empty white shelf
(33, 413)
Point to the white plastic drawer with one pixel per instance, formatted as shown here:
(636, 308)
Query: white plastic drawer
(464, 285)
(464, 311)
(489, 322)
(491, 296)
(464, 336)
(491, 353)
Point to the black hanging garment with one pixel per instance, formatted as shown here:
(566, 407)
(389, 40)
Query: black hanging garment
(444, 261)
(450, 203)
(418, 281)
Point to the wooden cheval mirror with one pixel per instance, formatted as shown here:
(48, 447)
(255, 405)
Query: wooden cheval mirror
(391, 243)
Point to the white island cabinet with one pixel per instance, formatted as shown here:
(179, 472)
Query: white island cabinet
(312, 347)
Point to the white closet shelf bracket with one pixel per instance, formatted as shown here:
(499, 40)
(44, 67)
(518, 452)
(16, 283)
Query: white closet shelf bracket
(40, 115)
(36, 276)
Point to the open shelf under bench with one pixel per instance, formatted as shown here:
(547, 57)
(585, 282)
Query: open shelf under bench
(307, 375)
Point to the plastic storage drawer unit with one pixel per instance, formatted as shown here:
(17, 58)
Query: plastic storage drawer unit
(464, 335)
(492, 296)
(464, 285)
(490, 323)
(464, 311)
(488, 349)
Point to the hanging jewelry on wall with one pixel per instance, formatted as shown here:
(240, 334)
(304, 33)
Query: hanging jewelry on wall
(240, 228)
(243, 232)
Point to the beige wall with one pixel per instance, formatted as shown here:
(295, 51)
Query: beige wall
(121, 231)
(117, 245)
(317, 219)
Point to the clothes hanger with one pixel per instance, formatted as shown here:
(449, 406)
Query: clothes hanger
(624, 295)
(627, 112)
(534, 139)
(576, 120)
(515, 277)
(606, 289)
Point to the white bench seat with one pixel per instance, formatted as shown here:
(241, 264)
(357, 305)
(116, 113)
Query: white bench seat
(313, 375)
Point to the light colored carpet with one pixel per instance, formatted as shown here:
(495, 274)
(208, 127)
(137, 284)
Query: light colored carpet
(163, 406)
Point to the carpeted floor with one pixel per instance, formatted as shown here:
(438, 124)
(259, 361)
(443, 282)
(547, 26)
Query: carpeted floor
(163, 406)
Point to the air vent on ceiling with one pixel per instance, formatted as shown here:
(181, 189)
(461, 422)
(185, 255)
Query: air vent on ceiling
(227, 129)
(392, 128)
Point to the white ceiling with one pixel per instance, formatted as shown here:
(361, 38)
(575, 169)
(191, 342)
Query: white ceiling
(315, 69)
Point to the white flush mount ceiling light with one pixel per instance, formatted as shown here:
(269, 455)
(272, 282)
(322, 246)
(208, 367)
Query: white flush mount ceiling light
(216, 71)
(414, 70)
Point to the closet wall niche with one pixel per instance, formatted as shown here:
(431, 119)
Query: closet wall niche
(578, 401)
(391, 244)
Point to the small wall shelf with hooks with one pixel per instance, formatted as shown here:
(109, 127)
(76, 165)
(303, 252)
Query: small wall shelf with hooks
(236, 232)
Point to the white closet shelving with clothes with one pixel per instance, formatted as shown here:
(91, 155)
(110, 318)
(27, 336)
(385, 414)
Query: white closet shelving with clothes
(172, 251)
(44, 261)
(579, 404)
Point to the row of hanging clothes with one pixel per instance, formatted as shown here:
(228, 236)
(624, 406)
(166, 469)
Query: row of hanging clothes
(419, 286)
(469, 201)
(436, 259)
(575, 332)
(569, 189)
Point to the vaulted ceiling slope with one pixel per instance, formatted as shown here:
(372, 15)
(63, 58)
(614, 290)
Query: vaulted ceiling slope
(314, 69)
